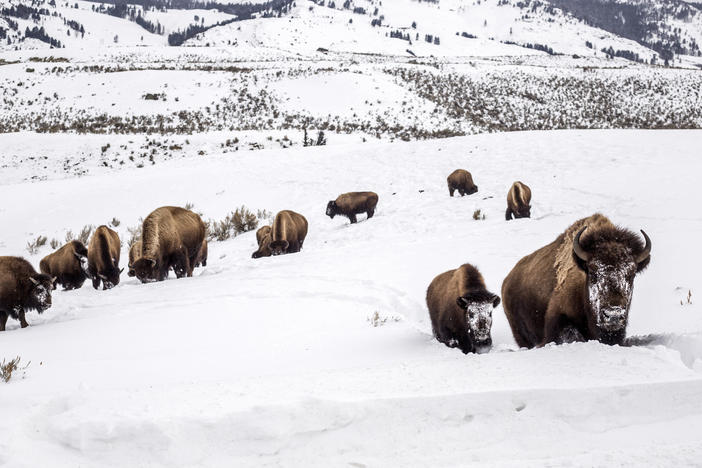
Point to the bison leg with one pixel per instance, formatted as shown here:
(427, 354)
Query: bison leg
(451, 190)
(3, 320)
(22, 319)
(461, 191)
(559, 329)
(508, 214)
(370, 213)
(352, 218)
(96, 283)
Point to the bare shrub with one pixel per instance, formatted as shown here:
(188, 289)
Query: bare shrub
(237, 222)
(478, 215)
(135, 233)
(55, 243)
(34, 246)
(115, 222)
(8, 368)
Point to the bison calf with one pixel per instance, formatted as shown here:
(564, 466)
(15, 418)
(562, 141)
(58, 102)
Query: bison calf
(461, 309)
(518, 201)
(172, 237)
(263, 238)
(69, 265)
(103, 258)
(22, 289)
(353, 203)
(461, 180)
(576, 288)
(288, 232)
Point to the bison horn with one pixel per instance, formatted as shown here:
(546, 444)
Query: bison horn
(120, 271)
(647, 249)
(153, 262)
(579, 251)
(33, 280)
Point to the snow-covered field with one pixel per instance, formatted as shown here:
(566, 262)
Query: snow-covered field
(276, 362)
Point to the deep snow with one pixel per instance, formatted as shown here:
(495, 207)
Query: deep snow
(275, 361)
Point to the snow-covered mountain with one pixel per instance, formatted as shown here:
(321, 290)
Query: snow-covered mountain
(644, 31)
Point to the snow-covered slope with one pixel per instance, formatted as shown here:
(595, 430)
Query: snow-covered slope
(276, 361)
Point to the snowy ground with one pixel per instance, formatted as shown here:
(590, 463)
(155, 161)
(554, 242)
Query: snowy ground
(274, 361)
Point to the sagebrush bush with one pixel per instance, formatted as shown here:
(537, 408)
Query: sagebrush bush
(83, 236)
(8, 368)
(237, 222)
(34, 246)
(478, 215)
(55, 243)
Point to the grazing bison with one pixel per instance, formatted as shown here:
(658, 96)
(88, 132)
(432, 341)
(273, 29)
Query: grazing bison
(172, 237)
(461, 180)
(461, 309)
(352, 203)
(134, 255)
(288, 232)
(263, 237)
(518, 201)
(22, 289)
(103, 258)
(69, 265)
(578, 287)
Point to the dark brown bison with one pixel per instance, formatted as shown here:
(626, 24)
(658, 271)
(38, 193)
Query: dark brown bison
(288, 232)
(103, 258)
(518, 201)
(263, 237)
(461, 180)
(352, 203)
(171, 237)
(461, 309)
(578, 287)
(22, 289)
(134, 255)
(69, 265)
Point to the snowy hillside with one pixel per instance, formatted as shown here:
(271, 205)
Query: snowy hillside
(325, 358)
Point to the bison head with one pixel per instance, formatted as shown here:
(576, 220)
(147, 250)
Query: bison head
(524, 211)
(478, 307)
(331, 209)
(40, 294)
(279, 247)
(146, 269)
(610, 261)
(84, 266)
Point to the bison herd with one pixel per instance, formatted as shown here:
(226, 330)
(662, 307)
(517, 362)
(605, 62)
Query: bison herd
(577, 288)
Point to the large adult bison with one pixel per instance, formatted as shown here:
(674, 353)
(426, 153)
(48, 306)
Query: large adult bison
(518, 201)
(103, 258)
(134, 255)
(461, 180)
(69, 265)
(171, 237)
(22, 289)
(288, 233)
(578, 287)
(461, 309)
(263, 238)
(353, 203)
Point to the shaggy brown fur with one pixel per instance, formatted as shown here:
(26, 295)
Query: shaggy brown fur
(352, 203)
(461, 180)
(69, 264)
(263, 237)
(171, 237)
(103, 258)
(201, 259)
(461, 309)
(518, 201)
(288, 232)
(22, 289)
(134, 255)
(554, 295)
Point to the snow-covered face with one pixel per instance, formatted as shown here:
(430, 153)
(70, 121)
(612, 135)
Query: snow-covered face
(610, 288)
(41, 294)
(479, 320)
(84, 265)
